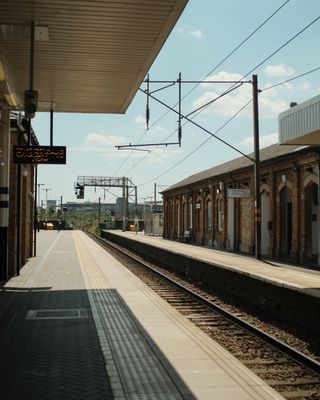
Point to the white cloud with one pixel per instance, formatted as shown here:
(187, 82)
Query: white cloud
(160, 128)
(159, 156)
(140, 120)
(190, 32)
(271, 106)
(229, 104)
(222, 76)
(279, 70)
(264, 141)
(271, 102)
(197, 33)
(96, 139)
(106, 152)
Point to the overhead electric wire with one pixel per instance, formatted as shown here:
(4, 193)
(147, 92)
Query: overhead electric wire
(239, 45)
(227, 122)
(202, 144)
(290, 79)
(282, 46)
(257, 66)
(266, 59)
(209, 73)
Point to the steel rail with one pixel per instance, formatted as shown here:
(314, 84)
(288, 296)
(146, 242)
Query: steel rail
(298, 356)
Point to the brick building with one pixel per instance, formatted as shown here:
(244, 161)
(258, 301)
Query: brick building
(201, 210)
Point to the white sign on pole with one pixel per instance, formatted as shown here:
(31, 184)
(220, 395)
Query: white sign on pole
(239, 193)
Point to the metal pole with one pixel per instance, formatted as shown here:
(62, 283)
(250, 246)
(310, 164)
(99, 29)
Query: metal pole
(32, 28)
(136, 200)
(127, 203)
(155, 196)
(51, 127)
(257, 205)
(99, 210)
(35, 207)
(18, 219)
(4, 192)
(318, 222)
(123, 204)
(46, 206)
(179, 119)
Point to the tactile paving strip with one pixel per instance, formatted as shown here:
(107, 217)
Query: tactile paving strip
(134, 369)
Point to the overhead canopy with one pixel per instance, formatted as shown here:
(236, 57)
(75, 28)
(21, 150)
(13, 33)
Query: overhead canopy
(89, 56)
(300, 124)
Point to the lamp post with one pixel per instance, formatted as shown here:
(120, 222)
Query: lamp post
(37, 214)
(39, 202)
(257, 205)
(46, 205)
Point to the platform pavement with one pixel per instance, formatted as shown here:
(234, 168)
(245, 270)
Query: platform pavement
(285, 275)
(76, 324)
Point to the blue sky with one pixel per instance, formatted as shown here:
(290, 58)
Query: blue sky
(206, 33)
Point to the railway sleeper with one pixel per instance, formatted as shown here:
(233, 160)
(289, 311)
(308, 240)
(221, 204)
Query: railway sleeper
(262, 371)
(298, 394)
(295, 382)
(266, 362)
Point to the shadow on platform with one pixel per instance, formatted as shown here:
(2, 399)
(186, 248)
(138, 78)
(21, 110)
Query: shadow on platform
(50, 348)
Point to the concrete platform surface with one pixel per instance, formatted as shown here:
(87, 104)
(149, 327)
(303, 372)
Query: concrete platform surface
(285, 275)
(76, 324)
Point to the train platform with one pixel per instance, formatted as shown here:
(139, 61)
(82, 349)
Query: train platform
(286, 275)
(76, 324)
(287, 290)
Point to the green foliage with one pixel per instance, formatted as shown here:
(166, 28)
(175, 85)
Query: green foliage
(86, 220)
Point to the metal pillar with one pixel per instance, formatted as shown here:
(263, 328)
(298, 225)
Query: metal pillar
(18, 220)
(257, 205)
(99, 217)
(318, 222)
(46, 207)
(35, 208)
(51, 127)
(124, 202)
(4, 191)
(136, 201)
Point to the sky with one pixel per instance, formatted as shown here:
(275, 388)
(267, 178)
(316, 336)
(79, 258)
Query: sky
(199, 47)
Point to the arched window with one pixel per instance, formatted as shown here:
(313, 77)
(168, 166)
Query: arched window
(190, 215)
(184, 216)
(219, 214)
(198, 215)
(209, 215)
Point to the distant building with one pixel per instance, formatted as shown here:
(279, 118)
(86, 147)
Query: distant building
(119, 205)
(51, 205)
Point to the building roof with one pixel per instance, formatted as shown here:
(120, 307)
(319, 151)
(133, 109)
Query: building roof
(267, 153)
(89, 56)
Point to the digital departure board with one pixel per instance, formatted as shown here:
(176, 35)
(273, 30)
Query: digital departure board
(39, 154)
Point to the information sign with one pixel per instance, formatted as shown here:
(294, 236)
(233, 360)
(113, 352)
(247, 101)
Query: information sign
(39, 154)
(239, 193)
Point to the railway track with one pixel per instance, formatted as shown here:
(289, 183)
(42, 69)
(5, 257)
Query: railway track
(293, 374)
